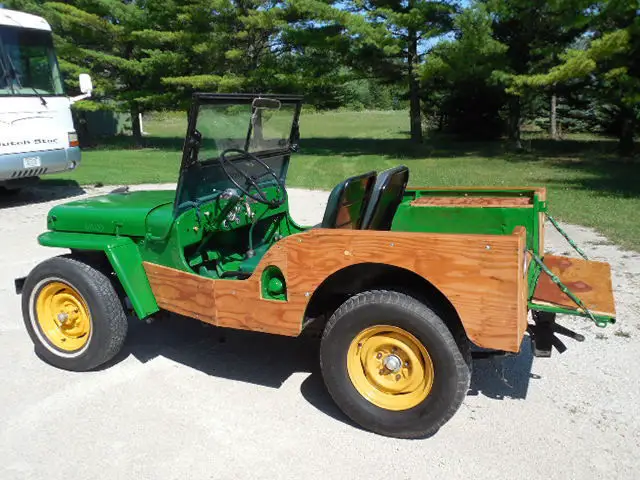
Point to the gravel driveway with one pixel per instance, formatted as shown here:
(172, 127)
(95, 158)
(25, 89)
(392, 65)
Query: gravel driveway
(185, 400)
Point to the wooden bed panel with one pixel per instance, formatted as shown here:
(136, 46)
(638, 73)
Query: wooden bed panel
(465, 201)
(463, 189)
(480, 274)
(523, 284)
(589, 280)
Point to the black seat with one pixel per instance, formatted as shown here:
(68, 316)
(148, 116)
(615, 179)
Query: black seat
(385, 198)
(348, 201)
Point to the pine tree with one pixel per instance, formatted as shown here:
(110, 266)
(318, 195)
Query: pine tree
(456, 78)
(127, 46)
(393, 44)
(610, 60)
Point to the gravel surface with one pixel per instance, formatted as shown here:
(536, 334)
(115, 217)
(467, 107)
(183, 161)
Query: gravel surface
(185, 400)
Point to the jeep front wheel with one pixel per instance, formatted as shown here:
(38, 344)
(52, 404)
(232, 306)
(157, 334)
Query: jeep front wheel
(73, 314)
(393, 366)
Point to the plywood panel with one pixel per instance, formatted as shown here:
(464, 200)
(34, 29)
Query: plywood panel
(480, 274)
(589, 280)
(480, 189)
(511, 202)
(181, 292)
(523, 285)
(226, 303)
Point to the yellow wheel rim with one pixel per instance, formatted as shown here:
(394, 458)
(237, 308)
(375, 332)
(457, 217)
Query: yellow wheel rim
(63, 316)
(390, 367)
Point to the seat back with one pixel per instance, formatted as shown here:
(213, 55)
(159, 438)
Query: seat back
(348, 201)
(385, 198)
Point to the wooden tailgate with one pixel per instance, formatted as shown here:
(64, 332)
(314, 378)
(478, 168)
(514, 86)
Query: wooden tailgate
(589, 280)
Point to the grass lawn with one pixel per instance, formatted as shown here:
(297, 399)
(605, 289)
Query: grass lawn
(587, 183)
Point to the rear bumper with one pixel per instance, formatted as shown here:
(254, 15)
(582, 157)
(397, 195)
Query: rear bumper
(51, 161)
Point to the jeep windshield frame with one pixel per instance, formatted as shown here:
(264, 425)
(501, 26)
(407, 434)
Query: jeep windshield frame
(217, 122)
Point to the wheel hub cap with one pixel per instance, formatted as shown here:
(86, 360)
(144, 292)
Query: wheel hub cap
(390, 367)
(63, 316)
(392, 363)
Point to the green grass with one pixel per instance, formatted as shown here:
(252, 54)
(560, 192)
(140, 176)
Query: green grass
(588, 184)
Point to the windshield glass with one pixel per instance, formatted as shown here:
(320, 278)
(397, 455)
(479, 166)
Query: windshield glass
(28, 64)
(260, 126)
(244, 127)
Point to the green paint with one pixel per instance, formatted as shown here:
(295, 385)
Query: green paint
(125, 259)
(601, 320)
(470, 220)
(114, 214)
(273, 284)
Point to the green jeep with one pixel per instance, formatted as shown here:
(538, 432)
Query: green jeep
(402, 281)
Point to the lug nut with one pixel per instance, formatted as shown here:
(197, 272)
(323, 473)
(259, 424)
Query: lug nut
(379, 356)
(398, 377)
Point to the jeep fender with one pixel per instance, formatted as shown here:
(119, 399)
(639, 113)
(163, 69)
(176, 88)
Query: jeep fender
(125, 259)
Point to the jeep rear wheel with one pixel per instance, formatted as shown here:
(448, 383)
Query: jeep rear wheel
(393, 366)
(73, 314)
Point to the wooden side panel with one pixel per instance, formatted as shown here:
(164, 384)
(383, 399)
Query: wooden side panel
(480, 274)
(181, 292)
(523, 285)
(226, 303)
(510, 202)
(589, 280)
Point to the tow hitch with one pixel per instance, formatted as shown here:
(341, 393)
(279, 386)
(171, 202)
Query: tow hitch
(544, 333)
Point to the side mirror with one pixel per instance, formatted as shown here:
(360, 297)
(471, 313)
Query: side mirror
(86, 85)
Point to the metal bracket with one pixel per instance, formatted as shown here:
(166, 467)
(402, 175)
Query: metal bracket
(566, 236)
(544, 334)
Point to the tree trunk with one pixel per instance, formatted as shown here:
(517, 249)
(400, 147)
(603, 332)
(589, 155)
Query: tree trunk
(136, 130)
(553, 119)
(514, 122)
(625, 144)
(415, 116)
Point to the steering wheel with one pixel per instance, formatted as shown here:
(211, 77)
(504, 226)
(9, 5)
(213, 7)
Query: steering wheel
(252, 180)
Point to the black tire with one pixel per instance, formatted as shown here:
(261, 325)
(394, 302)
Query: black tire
(107, 317)
(450, 355)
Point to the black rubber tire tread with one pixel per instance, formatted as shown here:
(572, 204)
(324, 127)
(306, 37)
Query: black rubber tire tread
(449, 350)
(109, 321)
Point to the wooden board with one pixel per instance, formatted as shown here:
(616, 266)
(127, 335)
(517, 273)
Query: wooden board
(226, 303)
(589, 280)
(523, 286)
(480, 274)
(541, 191)
(466, 201)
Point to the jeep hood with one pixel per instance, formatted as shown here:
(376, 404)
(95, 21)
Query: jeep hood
(115, 213)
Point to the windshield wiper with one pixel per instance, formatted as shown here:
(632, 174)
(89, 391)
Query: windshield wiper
(11, 74)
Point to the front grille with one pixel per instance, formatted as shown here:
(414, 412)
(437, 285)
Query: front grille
(29, 172)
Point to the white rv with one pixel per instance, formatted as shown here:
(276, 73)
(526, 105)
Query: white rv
(37, 136)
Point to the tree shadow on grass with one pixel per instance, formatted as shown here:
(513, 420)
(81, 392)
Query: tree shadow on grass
(591, 165)
(400, 148)
(596, 157)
